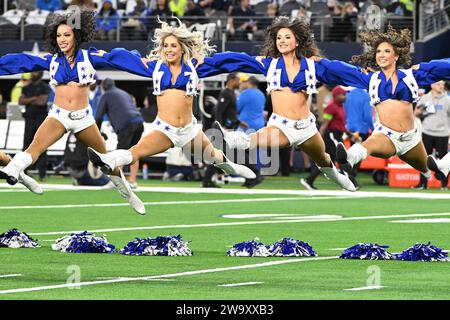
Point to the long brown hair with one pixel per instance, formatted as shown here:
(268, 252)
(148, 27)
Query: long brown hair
(400, 40)
(303, 35)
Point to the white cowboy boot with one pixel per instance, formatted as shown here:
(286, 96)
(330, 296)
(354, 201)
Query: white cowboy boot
(440, 167)
(235, 169)
(234, 139)
(339, 178)
(18, 163)
(109, 161)
(125, 191)
(30, 183)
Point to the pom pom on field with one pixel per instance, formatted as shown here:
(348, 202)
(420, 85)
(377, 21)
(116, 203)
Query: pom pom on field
(83, 242)
(423, 252)
(366, 251)
(159, 246)
(14, 238)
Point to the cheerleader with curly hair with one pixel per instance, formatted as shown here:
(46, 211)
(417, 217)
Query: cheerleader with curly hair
(171, 65)
(392, 92)
(72, 70)
(292, 76)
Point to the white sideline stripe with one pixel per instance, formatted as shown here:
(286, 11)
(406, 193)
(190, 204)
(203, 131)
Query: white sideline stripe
(108, 278)
(438, 220)
(10, 275)
(365, 288)
(238, 284)
(358, 194)
(123, 204)
(223, 224)
(170, 275)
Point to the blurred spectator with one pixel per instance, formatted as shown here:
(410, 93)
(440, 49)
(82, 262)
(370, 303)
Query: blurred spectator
(434, 111)
(2, 107)
(324, 97)
(250, 106)
(95, 92)
(211, 6)
(150, 110)
(179, 166)
(288, 6)
(332, 129)
(28, 5)
(16, 91)
(35, 97)
(125, 119)
(162, 10)
(83, 3)
(49, 5)
(304, 14)
(194, 10)
(398, 8)
(266, 21)
(177, 7)
(358, 120)
(240, 25)
(133, 28)
(107, 21)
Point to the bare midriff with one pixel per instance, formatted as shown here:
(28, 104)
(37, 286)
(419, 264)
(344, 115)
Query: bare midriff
(175, 107)
(71, 96)
(396, 115)
(289, 104)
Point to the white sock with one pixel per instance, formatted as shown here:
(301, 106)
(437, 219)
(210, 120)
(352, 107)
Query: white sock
(356, 153)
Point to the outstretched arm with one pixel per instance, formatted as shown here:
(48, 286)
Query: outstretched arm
(122, 59)
(227, 62)
(340, 73)
(21, 62)
(430, 72)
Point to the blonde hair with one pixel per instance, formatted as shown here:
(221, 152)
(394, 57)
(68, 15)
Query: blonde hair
(192, 42)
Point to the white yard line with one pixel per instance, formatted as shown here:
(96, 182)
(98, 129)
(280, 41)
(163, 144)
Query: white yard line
(162, 276)
(224, 224)
(10, 275)
(365, 288)
(358, 194)
(124, 204)
(238, 284)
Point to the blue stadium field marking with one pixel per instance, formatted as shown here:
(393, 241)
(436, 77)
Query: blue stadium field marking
(365, 288)
(239, 284)
(163, 276)
(124, 204)
(223, 224)
(10, 275)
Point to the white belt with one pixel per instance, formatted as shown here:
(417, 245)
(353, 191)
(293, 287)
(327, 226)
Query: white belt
(401, 136)
(297, 124)
(72, 115)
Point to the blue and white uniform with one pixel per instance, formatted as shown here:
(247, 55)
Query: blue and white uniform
(61, 73)
(380, 90)
(274, 69)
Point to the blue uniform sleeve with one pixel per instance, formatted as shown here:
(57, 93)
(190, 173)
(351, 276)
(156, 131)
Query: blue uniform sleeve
(130, 61)
(336, 72)
(15, 63)
(227, 62)
(433, 71)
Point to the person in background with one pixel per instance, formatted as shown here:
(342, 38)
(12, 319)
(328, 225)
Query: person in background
(250, 106)
(2, 107)
(332, 129)
(16, 91)
(240, 22)
(35, 97)
(358, 119)
(48, 5)
(107, 21)
(125, 119)
(177, 7)
(226, 114)
(434, 111)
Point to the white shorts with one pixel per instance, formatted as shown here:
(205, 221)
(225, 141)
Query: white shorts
(297, 131)
(74, 121)
(403, 141)
(178, 136)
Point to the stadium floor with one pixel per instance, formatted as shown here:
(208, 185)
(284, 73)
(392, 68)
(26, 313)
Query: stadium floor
(213, 220)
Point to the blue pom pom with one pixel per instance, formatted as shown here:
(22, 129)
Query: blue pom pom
(288, 247)
(366, 251)
(83, 242)
(423, 252)
(14, 238)
(159, 246)
(251, 248)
